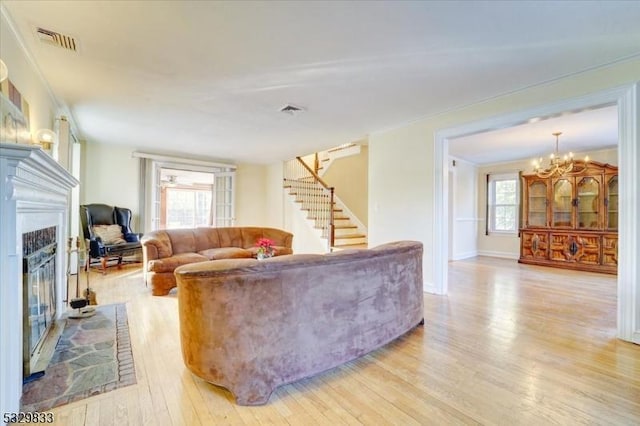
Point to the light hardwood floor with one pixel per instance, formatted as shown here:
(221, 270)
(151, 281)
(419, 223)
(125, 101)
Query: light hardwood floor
(511, 344)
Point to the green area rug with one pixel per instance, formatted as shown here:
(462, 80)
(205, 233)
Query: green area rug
(92, 356)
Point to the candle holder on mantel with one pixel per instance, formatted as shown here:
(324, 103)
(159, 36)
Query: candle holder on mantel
(80, 304)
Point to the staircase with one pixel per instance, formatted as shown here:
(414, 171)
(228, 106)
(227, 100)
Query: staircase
(337, 225)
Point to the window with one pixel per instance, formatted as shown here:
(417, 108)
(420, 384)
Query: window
(187, 208)
(503, 203)
(185, 193)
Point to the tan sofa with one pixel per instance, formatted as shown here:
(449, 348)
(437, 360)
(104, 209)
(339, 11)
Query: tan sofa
(250, 325)
(163, 251)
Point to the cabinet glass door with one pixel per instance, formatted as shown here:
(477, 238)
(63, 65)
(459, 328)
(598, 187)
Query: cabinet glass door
(537, 204)
(588, 202)
(562, 192)
(612, 203)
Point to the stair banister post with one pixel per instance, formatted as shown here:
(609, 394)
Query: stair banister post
(332, 234)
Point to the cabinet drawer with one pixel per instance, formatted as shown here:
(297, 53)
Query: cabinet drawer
(610, 249)
(570, 247)
(534, 245)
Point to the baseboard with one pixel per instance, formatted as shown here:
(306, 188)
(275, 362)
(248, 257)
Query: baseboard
(429, 288)
(465, 255)
(502, 254)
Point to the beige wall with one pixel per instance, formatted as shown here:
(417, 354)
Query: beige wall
(349, 176)
(401, 204)
(274, 202)
(111, 176)
(42, 106)
(251, 186)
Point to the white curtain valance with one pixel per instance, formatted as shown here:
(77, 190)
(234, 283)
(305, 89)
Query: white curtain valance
(180, 160)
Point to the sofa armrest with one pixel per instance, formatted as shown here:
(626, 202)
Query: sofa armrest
(149, 251)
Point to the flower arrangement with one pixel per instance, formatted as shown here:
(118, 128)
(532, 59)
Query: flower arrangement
(265, 248)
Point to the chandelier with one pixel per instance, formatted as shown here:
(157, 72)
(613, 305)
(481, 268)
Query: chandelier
(559, 165)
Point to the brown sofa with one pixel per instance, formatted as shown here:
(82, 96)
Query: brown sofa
(163, 251)
(250, 325)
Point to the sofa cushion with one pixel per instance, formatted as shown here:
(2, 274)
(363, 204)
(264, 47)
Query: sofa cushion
(182, 240)
(206, 238)
(226, 253)
(109, 234)
(168, 264)
(230, 237)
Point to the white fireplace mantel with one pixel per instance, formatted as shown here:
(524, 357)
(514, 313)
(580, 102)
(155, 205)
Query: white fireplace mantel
(34, 193)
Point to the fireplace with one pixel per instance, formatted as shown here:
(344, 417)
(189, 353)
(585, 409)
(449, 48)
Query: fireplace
(39, 292)
(35, 192)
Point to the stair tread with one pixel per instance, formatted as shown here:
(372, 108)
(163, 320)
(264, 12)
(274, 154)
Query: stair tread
(340, 227)
(358, 245)
(351, 236)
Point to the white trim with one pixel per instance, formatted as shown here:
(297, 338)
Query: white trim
(179, 160)
(468, 219)
(428, 287)
(629, 212)
(334, 154)
(491, 202)
(626, 98)
(466, 255)
(440, 249)
(352, 217)
(500, 254)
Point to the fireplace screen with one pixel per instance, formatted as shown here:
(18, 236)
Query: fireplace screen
(39, 278)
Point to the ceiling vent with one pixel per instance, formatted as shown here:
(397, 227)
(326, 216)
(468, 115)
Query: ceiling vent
(291, 109)
(57, 39)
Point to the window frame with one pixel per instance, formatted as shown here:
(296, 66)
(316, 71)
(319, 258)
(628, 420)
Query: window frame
(492, 180)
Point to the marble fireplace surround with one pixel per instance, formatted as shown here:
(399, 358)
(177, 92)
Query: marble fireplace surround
(34, 193)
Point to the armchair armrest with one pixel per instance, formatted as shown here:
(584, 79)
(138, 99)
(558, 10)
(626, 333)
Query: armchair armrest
(132, 237)
(96, 247)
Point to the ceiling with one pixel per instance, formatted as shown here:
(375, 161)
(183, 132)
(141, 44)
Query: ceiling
(207, 79)
(584, 131)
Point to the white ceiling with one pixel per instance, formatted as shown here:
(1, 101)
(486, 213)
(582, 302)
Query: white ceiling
(584, 131)
(208, 78)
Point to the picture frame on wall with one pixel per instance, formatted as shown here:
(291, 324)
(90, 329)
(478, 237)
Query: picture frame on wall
(14, 115)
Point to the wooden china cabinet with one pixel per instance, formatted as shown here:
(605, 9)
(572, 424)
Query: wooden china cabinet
(571, 221)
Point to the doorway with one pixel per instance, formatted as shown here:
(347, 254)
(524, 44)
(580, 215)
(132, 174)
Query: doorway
(627, 100)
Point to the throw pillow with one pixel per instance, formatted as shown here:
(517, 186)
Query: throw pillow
(109, 234)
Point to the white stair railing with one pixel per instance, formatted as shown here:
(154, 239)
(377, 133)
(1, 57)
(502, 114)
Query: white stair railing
(316, 197)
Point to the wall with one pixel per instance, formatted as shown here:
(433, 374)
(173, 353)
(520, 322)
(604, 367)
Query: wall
(110, 175)
(506, 245)
(274, 196)
(23, 75)
(401, 205)
(251, 186)
(349, 176)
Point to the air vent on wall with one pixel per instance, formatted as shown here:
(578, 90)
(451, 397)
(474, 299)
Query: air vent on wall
(291, 109)
(57, 39)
